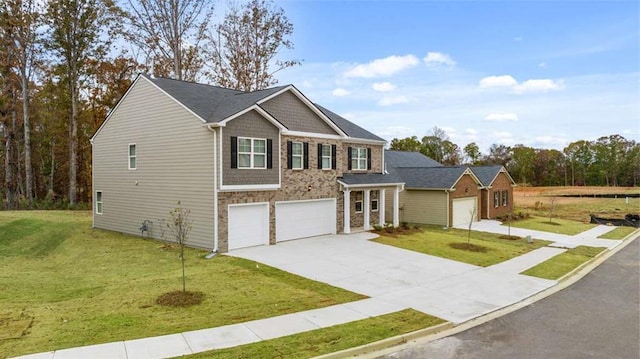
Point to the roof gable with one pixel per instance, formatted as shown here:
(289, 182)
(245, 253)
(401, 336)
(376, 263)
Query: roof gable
(403, 159)
(488, 174)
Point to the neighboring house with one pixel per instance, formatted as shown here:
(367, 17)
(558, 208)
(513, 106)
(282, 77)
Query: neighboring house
(253, 168)
(447, 195)
(497, 191)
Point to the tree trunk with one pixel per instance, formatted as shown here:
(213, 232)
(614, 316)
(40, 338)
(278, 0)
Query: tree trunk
(8, 163)
(73, 143)
(27, 141)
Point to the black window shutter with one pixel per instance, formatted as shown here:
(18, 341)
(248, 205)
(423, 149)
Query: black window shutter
(319, 156)
(368, 158)
(349, 158)
(269, 153)
(334, 150)
(289, 153)
(305, 154)
(234, 152)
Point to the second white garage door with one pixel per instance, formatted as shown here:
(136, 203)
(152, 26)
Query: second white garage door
(248, 225)
(463, 208)
(301, 219)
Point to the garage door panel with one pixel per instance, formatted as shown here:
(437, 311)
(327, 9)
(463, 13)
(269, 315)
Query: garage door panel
(248, 225)
(301, 219)
(463, 208)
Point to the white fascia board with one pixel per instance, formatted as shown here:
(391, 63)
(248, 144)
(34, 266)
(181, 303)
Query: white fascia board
(135, 81)
(312, 135)
(175, 100)
(258, 109)
(364, 141)
(249, 187)
(309, 104)
(371, 185)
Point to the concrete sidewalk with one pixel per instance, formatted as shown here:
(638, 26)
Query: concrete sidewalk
(393, 278)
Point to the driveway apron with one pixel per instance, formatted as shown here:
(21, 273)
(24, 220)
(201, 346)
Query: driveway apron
(448, 289)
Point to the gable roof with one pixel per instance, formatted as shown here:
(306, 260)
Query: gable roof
(403, 159)
(431, 177)
(216, 104)
(488, 174)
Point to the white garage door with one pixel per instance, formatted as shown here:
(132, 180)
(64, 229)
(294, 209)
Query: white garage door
(301, 219)
(248, 225)
(463, 209)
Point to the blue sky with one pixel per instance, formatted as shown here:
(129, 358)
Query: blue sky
(541, 73)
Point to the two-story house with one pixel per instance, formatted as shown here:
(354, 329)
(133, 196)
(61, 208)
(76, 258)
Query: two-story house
(254, 168)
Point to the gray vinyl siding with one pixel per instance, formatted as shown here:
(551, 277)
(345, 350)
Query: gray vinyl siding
(296, 115)
(174, 163)
(425, 207)
(251, 124)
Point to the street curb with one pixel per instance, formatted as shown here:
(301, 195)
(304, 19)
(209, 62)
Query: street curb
(388, 342)
(395, 344)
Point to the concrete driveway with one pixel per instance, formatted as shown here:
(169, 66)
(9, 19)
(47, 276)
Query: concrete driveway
(447, 289)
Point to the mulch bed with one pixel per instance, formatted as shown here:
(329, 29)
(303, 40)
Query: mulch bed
(180, 299)
(468, 247)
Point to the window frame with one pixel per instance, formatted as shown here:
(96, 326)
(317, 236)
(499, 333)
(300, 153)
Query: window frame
(252, 153)
(133, 157)
(359, 200)
(496, 199)
(374, 200)
(295, 156)
(357, 159)
(324, 157)
(505, 198)
(99, 206)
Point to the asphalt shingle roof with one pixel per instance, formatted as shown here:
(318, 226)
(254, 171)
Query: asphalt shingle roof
(429, 177)
(486, 174)
(215, 104)
(400, 159)
(370, 178)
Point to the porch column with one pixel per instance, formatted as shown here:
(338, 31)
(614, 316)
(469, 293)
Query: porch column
(347, 212)
(396, 207)
(366, 209)
(381, 206)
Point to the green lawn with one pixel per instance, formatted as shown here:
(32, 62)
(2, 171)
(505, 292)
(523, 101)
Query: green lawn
(563, 263)
(329, 340)
(618, 233)
(436, 241)
(557, 225)
(63, 284)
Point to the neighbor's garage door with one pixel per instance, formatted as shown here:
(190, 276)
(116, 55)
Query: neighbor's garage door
(301, 219)
(464, 209)
(248, 225)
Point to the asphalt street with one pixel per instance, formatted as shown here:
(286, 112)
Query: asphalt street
(597, 317)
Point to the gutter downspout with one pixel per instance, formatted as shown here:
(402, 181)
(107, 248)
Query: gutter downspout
(214, 251)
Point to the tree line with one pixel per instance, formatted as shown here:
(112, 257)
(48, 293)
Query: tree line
(608, 161)
(65, 63)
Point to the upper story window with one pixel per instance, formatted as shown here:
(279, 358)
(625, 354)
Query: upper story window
(326, 156)
(98, 202)
(297, 155)
(505, 198)
(252, 152)
(359, 159)
(496, 199)
(132, 156)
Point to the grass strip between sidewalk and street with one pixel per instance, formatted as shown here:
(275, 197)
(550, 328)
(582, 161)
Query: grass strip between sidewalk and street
(436, 241)
(563, 263)
(618, 233)
(329, 340)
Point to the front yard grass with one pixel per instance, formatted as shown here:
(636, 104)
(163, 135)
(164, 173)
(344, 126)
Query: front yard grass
(557, 225)
(436, 241)
(63, 284)
(618, 233)
(563, 263)
(329, 340)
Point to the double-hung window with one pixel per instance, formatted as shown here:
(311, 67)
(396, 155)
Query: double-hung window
(505, 198)
(252, 152)
(358, 201)
(374, 201)
(326, 157)
(359, 158)
(297, 156)
(496, 199)
(132, 156)
(98, 202)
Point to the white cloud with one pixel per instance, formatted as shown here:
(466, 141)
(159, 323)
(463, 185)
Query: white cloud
(397, 132)
(392, 100)
(501, 117)
(384, 86)
(471, 131)
(542, 65)
(498, 81)
(383, 67)
(339, 92)
(542, 85)
(438, 58)
(502, 134)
